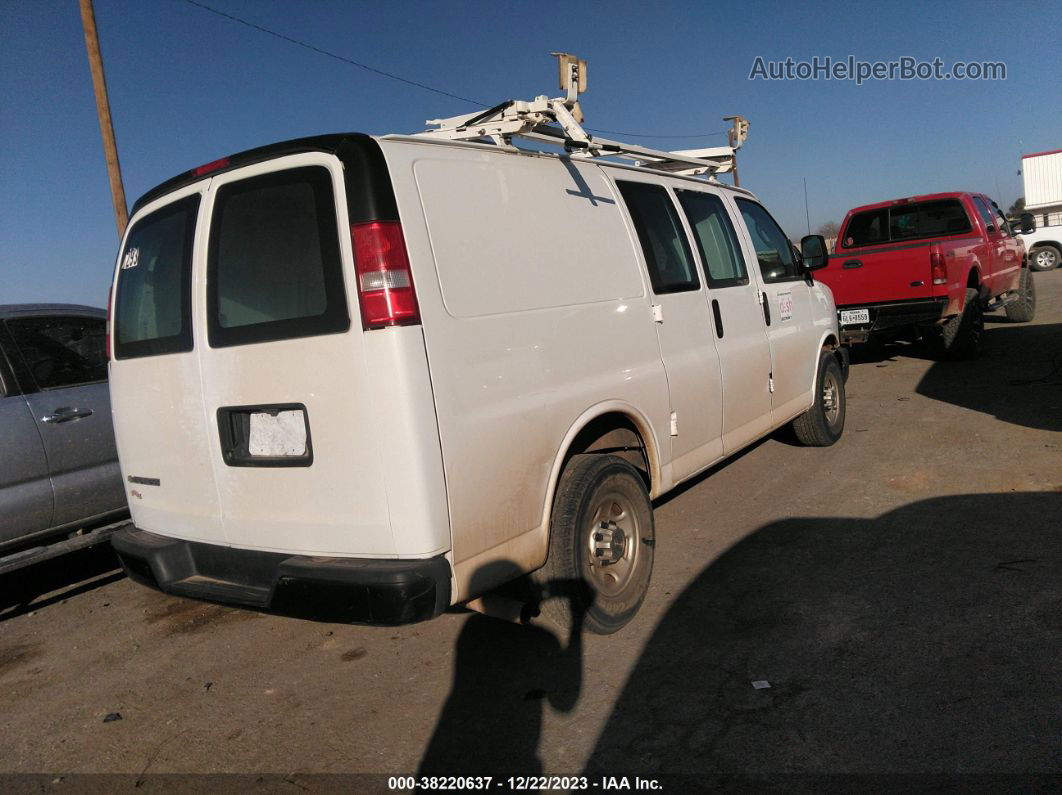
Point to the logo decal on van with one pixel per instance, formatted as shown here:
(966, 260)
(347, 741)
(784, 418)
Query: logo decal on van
(132, 259)
(785, 305)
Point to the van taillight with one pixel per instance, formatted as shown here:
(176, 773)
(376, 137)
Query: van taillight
(936, 267)
(107, 334)
(385, 283)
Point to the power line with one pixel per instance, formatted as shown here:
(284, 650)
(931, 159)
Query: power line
(349, 61)
(408, 82)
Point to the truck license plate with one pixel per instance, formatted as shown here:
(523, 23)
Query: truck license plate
(278, 433)
(851, 317)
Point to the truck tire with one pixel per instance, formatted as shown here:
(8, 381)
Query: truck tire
(823, 423)
(1023, 308)
(962, 336)
(601, 543)
(1045, 258)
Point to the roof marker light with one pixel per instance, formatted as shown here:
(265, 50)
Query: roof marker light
(214, 165)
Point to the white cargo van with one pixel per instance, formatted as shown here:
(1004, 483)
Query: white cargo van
(367, 378)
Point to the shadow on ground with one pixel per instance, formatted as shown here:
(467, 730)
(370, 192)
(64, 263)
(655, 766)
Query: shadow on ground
(505, 676)
(42, 584)
(1018, 380)
(926, 641)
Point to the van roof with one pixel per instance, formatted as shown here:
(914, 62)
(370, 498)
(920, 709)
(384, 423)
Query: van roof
(362, 145)
(333, 143)
(14, 310)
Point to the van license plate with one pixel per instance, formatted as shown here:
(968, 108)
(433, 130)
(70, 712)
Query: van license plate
(278, 433)
(851, 317)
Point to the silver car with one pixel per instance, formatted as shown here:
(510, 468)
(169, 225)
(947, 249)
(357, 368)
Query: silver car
(58, 464)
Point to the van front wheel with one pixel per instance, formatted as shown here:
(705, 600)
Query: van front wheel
(600, 545)
(823, 423)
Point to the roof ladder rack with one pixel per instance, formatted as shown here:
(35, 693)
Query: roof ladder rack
(558, 121)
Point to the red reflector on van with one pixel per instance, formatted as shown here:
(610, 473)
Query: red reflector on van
(211, 166)
(385, 283)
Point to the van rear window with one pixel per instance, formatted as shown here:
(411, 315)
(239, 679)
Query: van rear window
(152, 308)
(907, 222)
(274, 269)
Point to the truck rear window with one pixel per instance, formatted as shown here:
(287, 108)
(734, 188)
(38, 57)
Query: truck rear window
(152, 308)
(274, 269)
(907, 222)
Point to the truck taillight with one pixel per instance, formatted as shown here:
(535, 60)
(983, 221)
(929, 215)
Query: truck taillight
(107, 334)
(936, 267)
(385, 282)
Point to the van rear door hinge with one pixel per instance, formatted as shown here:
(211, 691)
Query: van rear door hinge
(674, 423)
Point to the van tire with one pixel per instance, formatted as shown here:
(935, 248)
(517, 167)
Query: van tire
(823, 424)
(1023, 309)
(962, 336)
(574, 586)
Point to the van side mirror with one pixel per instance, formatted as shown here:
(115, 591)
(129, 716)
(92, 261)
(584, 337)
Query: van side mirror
(813, 253)
(1028, 223)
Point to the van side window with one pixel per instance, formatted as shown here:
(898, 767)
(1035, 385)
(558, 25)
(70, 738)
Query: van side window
(153, 305)
(664, 244)
(62, 351)
(712, 229)
(274, 269)
(773, 249)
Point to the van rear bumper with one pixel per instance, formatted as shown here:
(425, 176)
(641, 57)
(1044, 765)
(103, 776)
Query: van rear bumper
(348, 590)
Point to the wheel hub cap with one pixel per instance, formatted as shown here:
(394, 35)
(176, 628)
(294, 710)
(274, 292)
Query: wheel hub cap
(610, 543)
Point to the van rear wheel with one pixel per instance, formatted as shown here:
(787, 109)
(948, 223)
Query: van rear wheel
(601, 545)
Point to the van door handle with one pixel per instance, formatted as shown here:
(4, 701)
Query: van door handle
(766, 309)
(65, 414)
(718, 318)
(852, 263)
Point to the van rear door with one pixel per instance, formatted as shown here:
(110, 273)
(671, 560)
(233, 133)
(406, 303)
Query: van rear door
(285, 387)
(156, 394)
(246, 393)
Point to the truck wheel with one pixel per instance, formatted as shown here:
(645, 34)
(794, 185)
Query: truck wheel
(1045, 258)
(600, 545)
(962, 336)
(1023, 309)
(823, 423)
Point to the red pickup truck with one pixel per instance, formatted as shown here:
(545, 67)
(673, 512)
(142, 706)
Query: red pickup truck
(928, 264)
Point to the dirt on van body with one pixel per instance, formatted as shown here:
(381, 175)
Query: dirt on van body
(888, 605)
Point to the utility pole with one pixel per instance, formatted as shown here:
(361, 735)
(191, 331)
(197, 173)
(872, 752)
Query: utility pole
(103, 110)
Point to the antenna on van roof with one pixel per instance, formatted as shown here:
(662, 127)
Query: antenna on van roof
(558, 121)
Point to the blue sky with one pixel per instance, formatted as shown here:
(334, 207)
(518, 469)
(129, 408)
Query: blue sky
(187, 86)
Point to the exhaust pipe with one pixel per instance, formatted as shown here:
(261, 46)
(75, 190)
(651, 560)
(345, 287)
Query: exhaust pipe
(504, 608)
